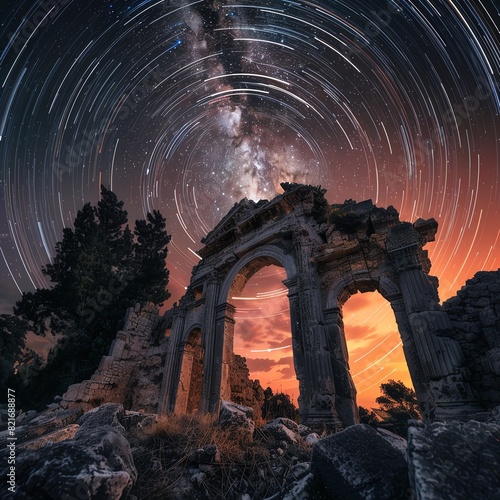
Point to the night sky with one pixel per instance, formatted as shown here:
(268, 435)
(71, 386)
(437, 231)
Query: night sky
(187, 107)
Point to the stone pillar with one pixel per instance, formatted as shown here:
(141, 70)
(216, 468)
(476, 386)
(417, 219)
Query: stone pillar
(346, 406)
(168, 390)
(317, 403)
(438, 374)
(211, 294)
(298, 346)
(220, 387)
(412, 356)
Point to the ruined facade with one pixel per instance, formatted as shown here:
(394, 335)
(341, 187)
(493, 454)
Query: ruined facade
(475, 315)
(328, 252)
(131, 372)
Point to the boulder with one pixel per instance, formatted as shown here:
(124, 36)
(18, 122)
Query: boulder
(111, 414)
(306, 487)
(282, 429)
(134, 420)
(449, 460)
(312, 438)
(359, 463)
(52, 437)
(41, 424)
(97, 463)
(304, 430)
(237, 418)
(494, 416)
(298, 471)
(396, 441)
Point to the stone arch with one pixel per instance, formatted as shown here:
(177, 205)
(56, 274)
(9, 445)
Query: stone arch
(238, 275)
(328, 252)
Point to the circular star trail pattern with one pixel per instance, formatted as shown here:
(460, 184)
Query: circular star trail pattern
(187, 107)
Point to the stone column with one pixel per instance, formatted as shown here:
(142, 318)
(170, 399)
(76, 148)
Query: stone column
(168, 390)
(318, 390)
(346, 405)
(411, 354)
(220, 387)
(298, 346)
(440, 366)
(211, 294)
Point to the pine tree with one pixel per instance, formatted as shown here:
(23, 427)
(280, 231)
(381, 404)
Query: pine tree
(150, 252)
(99, 270)
(12, 339)
(400, 404)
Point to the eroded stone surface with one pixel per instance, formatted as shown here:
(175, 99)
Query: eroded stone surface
(237, 418)
(282, 429)
(475, 316)
(454, 460)
(96, 463)
(131, 372)
(358, 463)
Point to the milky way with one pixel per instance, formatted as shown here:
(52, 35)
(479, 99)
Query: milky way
(188, 107)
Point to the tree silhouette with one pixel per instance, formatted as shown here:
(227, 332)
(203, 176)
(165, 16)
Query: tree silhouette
(278, 405)
(399, 403)
(12, 339)
(367, 417)
(100, 268)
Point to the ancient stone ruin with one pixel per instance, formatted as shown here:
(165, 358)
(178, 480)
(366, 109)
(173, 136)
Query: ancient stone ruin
(183, 362)
(328, 253)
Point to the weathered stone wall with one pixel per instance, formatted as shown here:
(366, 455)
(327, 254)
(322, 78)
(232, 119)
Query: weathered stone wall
(245, 391)
(131, 372)
(475, 316)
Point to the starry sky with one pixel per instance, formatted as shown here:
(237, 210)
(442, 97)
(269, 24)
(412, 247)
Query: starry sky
(187, 107)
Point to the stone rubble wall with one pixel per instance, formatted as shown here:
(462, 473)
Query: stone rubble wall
(475, 315)
(131, 372)
(245, 391)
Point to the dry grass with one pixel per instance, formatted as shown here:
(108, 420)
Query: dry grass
(188, 433)
(163, 454)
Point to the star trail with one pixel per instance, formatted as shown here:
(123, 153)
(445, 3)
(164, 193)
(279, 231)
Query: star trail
(187, 107)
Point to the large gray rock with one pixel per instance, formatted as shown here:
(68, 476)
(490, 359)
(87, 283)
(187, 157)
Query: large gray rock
(454, 460)
(396, 441)
(237, 418)
(282, 429)
(96, 463)
(41, 424)
(52, 437)
(107, 414)
(358, 463)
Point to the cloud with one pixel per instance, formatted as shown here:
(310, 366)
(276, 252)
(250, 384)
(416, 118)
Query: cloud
(267, 364)
(360, 332)
(285, 361)
(359, 301)
(287, 373)
(274, 344)
(260, 364)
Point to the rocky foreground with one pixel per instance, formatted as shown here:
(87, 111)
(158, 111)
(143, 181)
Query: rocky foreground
(109, 453)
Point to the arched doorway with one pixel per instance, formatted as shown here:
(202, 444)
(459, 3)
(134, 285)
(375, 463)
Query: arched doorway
(375, 348)
(262, 334)
(328, 253)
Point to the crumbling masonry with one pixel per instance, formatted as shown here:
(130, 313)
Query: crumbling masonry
(328, 252)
